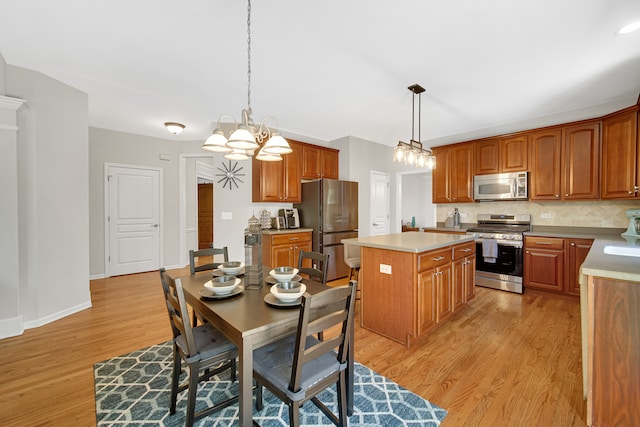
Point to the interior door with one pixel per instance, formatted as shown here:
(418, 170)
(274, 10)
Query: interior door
(205, 215)
(133, 220)
(379, 217)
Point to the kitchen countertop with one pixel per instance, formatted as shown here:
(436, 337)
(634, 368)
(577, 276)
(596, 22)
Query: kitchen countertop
(285, 231)
(411, 241)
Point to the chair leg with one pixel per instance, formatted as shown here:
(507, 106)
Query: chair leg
(259, 402)
(175, 377)
(294, 414)
(194, 371)
(342, 400)
(194, 321)
(234, 370)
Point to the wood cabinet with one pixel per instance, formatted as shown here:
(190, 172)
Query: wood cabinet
(498, 155)
(278, 181)
(453, 174)
(565, 162)
(576, 250)
(427, 303)
(621, 155)
(283, 249)
(435, 267)
(319, 162)
(464, 274)
(544, 263)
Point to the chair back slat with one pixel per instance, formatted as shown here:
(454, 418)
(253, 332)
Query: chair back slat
(208, 252)
(313, 319)
(314, 265)
(177, 309)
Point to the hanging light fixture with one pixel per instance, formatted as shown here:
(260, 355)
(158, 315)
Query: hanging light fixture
(174, 128)
(246, 138)
(413, 153)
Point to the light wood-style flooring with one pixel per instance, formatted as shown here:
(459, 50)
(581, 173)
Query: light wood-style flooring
(507, 360)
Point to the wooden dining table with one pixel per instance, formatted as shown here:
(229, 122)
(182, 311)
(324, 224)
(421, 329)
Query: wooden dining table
(249, 322)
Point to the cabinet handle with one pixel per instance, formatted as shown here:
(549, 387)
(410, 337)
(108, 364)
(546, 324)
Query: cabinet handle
(439, 258)
(557, 196)
(573, 244)
(465, 250)
(294, 238)
(543, 243)
(566, 195)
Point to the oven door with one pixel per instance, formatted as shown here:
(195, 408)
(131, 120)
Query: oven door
(508, 262)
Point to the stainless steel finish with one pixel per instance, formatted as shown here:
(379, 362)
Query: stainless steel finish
(499, 281)
(501, 186)
(330, 208)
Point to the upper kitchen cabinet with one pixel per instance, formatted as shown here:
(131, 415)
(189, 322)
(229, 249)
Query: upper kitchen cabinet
(565, 162)
(278, 181)
(453, 174)
(497, 155)
(620, 155)
(319, 162)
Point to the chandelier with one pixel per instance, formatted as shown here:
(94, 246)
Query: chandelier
(412, 153)
(246, 137)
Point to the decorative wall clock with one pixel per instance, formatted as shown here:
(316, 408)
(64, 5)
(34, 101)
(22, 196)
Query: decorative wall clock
(230, 174)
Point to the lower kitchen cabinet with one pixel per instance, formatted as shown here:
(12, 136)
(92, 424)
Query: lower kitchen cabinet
(576, 250)
(544, 263)
(427, 305)
(464, 274)
(283, 249)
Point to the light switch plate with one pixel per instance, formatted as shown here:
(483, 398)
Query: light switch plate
(385, 268)
(226, 215)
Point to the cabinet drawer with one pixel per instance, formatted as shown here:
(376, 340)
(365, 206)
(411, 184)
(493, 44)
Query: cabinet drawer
(434, 259)
(544, 243)
(463, 250)
(283, 239)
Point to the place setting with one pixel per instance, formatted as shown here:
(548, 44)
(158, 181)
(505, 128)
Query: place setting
(224, 283)
(286, 290)
(234, 268)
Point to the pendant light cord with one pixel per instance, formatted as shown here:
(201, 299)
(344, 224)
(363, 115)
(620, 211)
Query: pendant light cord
(249, 56)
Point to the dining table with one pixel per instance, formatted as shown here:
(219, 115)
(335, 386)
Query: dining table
(248, 321)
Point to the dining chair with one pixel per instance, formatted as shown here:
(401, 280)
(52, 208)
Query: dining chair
(212, 252)
(204, 349)
(316, 267)
(298, 367)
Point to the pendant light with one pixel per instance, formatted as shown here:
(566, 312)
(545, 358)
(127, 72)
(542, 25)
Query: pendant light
(413, 153)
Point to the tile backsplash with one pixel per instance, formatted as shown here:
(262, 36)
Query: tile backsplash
(608, 214)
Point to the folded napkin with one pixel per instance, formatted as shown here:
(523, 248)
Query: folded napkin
(490, 250)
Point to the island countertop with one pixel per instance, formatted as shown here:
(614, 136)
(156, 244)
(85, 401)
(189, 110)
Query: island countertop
(411, 241)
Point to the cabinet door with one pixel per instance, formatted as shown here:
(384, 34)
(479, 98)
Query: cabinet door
(620, 156)
(514, 154)
(426, 301)
(462, 173)
(544, 269)
(301, 246)
(267, 181)
(577, 250)
(329, 164)
(310, 162)
(282, 255)
(444, 292)
(440, 190)
(459, 276)
(292, 183)
(487, 154)
(581, 164)
(470, 278)
(544, 162)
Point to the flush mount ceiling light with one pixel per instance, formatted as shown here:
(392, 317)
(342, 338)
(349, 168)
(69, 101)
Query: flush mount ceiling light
(174, 128)
(246, 137)
(629, 28)
(413, 153)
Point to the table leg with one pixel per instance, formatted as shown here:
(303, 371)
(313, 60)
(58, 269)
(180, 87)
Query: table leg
(350, 368)
(245, 379)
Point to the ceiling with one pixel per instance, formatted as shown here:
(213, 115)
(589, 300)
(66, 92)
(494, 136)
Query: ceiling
(334, 68)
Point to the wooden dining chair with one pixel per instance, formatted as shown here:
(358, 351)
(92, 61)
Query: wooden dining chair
(298, 367)
(212, 252)
(204, 349)
(314, 265)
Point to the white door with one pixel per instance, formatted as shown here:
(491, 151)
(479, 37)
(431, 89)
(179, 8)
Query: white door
(133, 219)
(379, 214)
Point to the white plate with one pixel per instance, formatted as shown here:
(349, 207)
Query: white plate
(272, 280)
(207, 293)
(217, 272)
(210, 287)
(271, 300)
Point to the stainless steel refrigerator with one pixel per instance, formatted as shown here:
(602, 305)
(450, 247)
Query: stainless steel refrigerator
(330, 208)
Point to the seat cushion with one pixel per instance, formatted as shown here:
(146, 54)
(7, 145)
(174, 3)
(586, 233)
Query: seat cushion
(352, 262)
(209, 342)
(274, 363)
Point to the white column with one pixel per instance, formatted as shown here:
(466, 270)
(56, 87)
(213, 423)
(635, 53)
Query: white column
(10, 316)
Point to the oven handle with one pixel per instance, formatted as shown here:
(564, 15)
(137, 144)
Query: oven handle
(514, 243)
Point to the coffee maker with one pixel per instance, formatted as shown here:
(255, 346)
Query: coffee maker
(291, 217)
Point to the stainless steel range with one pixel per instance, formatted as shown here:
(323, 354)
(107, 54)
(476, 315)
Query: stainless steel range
(499, 250)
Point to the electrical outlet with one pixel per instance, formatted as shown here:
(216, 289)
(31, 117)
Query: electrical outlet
(545, 215)
(385, 268)
(463, 214)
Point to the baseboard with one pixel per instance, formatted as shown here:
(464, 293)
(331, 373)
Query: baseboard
(96, 276)
(56, 316)
(11, 327)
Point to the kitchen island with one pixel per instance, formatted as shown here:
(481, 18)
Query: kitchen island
(411, 282)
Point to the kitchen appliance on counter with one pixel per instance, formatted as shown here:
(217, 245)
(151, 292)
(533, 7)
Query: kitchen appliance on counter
(291, 217)
(634, 224)
(330, 208)
(501, 186)
(499, 250)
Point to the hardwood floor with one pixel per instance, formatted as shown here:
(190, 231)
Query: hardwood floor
(507, 360)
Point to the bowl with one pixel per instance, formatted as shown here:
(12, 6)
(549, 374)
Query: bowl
(231, 267)
(288, 291)
(222, 285)
(283, 274)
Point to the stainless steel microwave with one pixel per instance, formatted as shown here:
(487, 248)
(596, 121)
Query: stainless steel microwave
(501, 186)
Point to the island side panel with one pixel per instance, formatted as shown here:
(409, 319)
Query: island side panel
(387, 301)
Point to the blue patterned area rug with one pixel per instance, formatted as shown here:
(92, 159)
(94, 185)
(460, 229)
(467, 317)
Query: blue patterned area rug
(133, 390)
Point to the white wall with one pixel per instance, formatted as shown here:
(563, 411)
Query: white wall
(52, 165)
(415, 198)
(3, 72)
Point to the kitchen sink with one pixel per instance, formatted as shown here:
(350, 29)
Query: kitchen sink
(623, 250)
